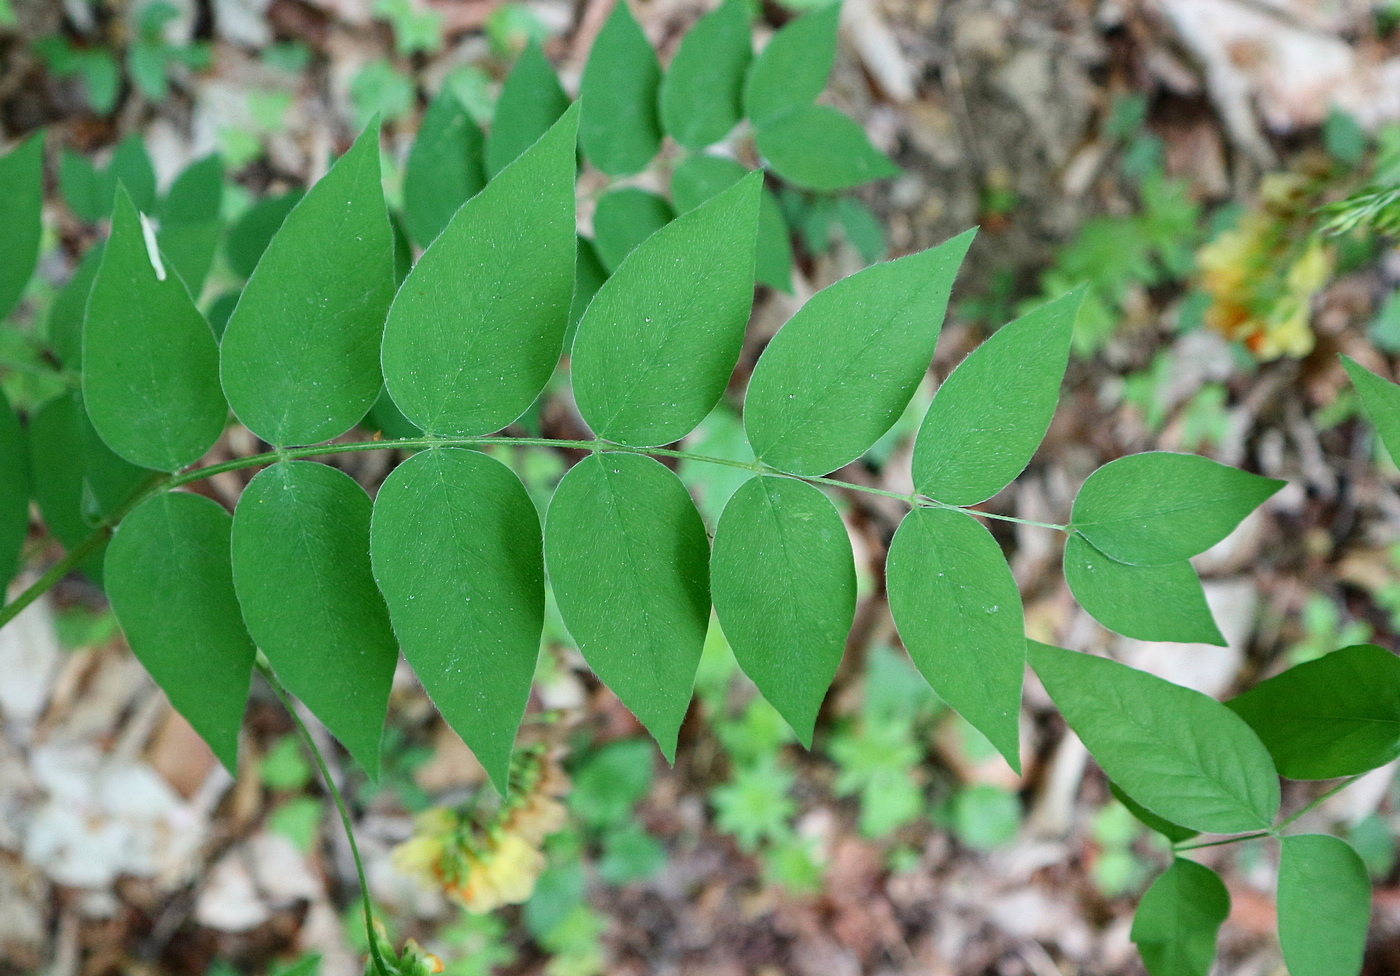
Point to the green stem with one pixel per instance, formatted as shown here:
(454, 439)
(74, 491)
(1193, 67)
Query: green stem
(1319, 801)
(1178, 848)
(80, 552)
(1000, 518)
(325, 772)
(1276, 830)
(165, 483)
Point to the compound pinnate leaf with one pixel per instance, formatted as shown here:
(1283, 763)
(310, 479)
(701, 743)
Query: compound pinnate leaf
(784, 585)
(818, 148)
(629, 563)
(190, 221)
(21, 206)
(842, 370)
(790, 72)
(702, 93)
(1380, 401)
(1324, 906)
(991, 413)
(14, 491)
(249, 237)
(151, 363)
(1151, 603)
(1177, 921)
(620, 130)
(1158, 508)
(1336, 716)
(300, 354)
(170, 581)
(655, 349)
(444, 168)
(958, 611)
(531, 101)
(478, 326)
(623, 219)
(698, 178)
(302, 573)
(455, 546)
(1179, 753)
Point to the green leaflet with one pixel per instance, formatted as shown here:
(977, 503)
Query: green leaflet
(1178, 918)
(21, 210)
(1380, 399)
(818, 148)
(589, 275)
(993, 410)
(169, 579)
(151, 364)
(302, 573)
(698, 178)
(619, 129)
(959, 614)
(531, 101)
(702, 93)
(655, 349)
(624, 218)
(89, 192)
(629, 563)
(250, 235)
(190, 221)
(403, 250)
(1152, 603)
(1324, 906)
(478, 326)
(1179, 753)
(790, 72)
(444, 168)
(196, 195)
(82, 187)
(75, 476)
(1336, 716)
(1172, 832)
(784, 586)
(455, 545)
(65, 324)
(862, 229)
(130, 166)
(842, 370)
(14, 492)
(300, 355)
(1157, 508)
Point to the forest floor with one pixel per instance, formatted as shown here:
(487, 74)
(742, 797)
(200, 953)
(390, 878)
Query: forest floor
(1107, 141)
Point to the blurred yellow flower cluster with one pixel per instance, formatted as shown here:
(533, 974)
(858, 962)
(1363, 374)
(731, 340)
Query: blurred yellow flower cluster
(484, 862)
(1262, 275)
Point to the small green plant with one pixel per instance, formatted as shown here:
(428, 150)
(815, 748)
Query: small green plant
(149, 57)
(448, 564)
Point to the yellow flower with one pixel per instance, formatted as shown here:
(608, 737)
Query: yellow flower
(1240, 270)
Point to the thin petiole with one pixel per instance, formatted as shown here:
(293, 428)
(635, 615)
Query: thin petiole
(1319, 801)
(994, 515)
(325, 772)
(1178, 848)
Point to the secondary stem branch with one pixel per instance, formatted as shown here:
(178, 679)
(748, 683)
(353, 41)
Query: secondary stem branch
(104, 529)
(325, 772)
